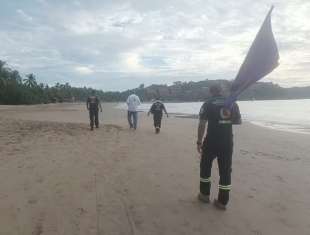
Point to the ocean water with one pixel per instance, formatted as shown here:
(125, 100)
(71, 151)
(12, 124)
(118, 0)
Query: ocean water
(288, 115)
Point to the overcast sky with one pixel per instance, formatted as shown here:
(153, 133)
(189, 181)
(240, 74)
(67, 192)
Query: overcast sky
(116, 45)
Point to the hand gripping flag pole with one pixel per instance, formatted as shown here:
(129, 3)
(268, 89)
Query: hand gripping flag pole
(262, 59)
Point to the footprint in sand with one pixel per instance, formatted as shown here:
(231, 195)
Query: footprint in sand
(278, 207)
(38, 229)
(81, 211)
(256, 232)
(21, 165)
(280, 179)
(40, 180)
(32, 201)
(244, 152)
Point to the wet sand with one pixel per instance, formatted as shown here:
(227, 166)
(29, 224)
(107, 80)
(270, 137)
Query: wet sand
(57, 177)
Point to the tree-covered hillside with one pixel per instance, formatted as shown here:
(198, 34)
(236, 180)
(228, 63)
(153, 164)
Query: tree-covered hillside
(14, 89)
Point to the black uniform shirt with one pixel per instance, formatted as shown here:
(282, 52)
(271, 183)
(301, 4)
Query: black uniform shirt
(157, 108)
(220, 120)
(93, 102)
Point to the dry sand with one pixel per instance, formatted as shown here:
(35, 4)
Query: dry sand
(57, 177)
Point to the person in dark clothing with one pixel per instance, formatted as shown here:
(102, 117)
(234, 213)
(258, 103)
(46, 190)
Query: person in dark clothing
(218, 143)
(157, 109)
(93, 104)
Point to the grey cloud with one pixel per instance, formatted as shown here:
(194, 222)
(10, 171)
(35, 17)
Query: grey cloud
(120, 44)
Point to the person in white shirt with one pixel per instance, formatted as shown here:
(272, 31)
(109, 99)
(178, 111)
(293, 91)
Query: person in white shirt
(133, 102)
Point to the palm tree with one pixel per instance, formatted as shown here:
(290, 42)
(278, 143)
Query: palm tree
(30, 81)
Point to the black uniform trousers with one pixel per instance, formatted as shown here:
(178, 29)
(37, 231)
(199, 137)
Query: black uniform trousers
(93, 117)
(157, 119)
(224, 159)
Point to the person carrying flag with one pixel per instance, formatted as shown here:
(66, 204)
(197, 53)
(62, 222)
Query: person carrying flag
(220, 113)
(157, 109)
(218, 143)
(93, 104)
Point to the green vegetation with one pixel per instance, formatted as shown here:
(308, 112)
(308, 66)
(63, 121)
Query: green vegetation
(17, 90)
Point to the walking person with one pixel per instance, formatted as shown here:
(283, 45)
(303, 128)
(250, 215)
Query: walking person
(133, 101)
(157, 109)
(93, 105)
(218, 143)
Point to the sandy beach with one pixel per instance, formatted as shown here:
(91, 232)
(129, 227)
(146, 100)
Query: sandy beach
(59, 178)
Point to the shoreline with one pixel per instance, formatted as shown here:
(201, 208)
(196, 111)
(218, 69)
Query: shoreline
(284, 127)
(274, 126)
(266, 114)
